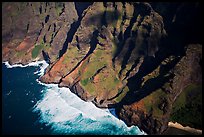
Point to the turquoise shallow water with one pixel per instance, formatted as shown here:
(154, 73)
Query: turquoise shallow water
(31, 107)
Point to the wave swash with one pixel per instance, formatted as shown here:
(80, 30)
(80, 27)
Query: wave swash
(66, 113)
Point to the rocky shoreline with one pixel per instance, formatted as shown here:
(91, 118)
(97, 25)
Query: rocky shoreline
(133, 56)
(187, 128)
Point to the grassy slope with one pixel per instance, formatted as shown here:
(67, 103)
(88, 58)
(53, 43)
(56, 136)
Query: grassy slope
(108, 80)
(38, 49)
(187, 109)
(153, 100)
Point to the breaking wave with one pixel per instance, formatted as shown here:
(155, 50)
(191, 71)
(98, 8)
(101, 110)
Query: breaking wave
(42, 64)
(66, 114)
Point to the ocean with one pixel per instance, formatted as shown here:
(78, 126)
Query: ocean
(30, 107)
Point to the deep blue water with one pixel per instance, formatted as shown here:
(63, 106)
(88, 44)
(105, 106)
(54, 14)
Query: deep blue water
(30, 107)
(20, 93)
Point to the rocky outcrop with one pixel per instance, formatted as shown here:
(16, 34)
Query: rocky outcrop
(151, 113)
(115, 45)
(30, 28)
(135, 56)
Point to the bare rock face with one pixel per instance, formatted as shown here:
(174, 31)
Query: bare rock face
(135, 56)
(107, 39)
(152, 112)
(30, 28)
(105, 49)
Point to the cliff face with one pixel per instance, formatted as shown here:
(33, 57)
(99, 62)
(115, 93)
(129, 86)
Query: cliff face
(30, 28)
(137, 57)
(152, 112)
(107, 49)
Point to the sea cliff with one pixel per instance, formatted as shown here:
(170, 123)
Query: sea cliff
(137, 57)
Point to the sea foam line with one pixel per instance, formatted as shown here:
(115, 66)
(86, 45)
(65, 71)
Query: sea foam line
(59, 105)
(40, 72)
(36, 63)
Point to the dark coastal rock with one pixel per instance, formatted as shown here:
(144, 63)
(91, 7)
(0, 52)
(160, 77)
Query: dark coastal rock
(154, 120)
(134, 56)
(79, 91)
(27, 27)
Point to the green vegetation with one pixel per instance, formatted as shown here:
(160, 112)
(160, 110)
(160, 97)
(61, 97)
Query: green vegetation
(114, 46)
(20, 53)
(152, 102)
(41, 16)
(99, 53)
(110, 83)
(38, 48)
(116, 80)
(84, 82)
(92, 68)
(187, 109)
(122, 95)
(90, 88)
(70, 54)
(107, 78)
(59, 7)
(95, 63)
(101, 40)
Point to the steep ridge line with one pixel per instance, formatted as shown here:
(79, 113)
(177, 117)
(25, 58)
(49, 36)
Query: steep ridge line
(93, 44)
(73, 28)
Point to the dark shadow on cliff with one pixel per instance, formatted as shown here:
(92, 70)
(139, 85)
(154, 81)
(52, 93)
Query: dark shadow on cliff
(131, 47)
(137, 91)
(183, 23)
(80, 7)
(103, 18)
(182, 15)
(93, 44)
(185, 30)
(70, 35)
(96, 20)
(46, 57)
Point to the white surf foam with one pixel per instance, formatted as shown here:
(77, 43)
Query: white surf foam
(60, 106)
(43, 65)
(42, 69)
(66, 113)
(36, 63)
